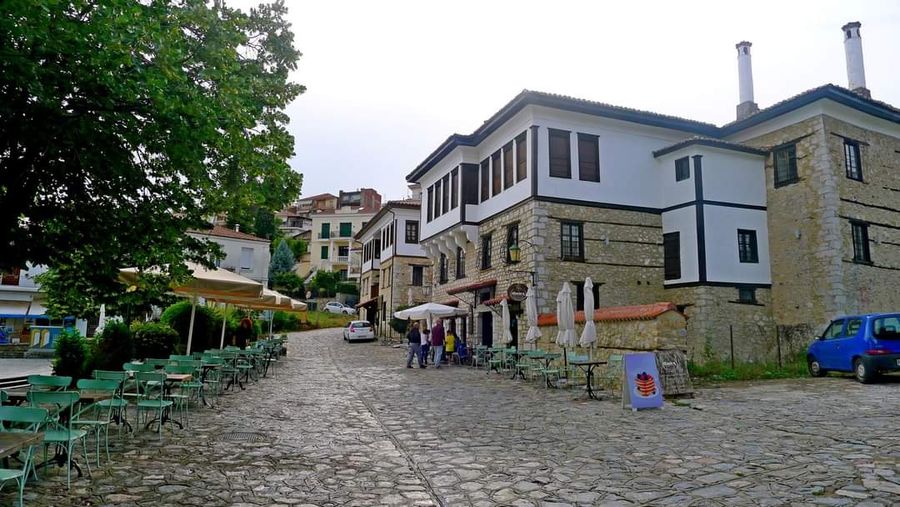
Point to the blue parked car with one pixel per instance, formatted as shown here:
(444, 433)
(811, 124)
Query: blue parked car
(863, 344)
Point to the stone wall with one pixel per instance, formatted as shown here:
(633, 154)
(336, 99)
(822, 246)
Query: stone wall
(394, 291)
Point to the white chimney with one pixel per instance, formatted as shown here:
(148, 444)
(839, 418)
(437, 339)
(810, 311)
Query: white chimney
(746, 106)
(856, 70)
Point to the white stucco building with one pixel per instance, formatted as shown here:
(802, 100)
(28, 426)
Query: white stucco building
(245, 254)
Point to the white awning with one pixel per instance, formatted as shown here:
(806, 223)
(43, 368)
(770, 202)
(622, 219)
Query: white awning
(13, 308)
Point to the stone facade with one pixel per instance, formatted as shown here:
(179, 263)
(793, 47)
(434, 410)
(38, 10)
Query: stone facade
(394, 290)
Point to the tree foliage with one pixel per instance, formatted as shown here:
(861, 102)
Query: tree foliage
(282, 261)
(324, 283)
(123, 124)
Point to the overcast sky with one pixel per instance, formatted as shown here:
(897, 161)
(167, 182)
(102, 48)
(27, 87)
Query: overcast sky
(388, 81)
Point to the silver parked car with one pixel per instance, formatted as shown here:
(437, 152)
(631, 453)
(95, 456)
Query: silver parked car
(358, 330)
(337, 307)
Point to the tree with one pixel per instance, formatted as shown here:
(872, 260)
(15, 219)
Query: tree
(123, 124)
(282, 261)
(325, 283)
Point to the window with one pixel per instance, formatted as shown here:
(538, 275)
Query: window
(412, 231)
(682, 169)
(485, 179)
(508, 166)
(454, 188)
(342, 275)
(852, 161)
(324, 253)
(346, 229)
(747, 251)
(785, 165)
(325, 232)
(343, 251)
(860, 232)
(246, 258)
(430, 203)
(445, 194)
(886, 328)
(512, 238)
(521, 157)
(460, 263)
(437, 199)
(853, 326)
(417, 276)
(834, 329)
(496, 184)
(747, 295)
(486, 251)
(672, 255)
(443, 269)
(560, 154)
(579, 295)
(572, 241)
(588, 158)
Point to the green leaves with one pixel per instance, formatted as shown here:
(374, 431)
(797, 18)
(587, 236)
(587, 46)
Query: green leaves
(123, 124)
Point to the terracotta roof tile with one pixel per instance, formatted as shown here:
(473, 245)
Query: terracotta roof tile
(495, 301)
(472, 286)
(613, 313)
(225, 232)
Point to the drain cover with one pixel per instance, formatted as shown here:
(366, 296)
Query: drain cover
(243, 436)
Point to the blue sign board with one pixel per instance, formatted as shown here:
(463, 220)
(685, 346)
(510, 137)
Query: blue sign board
(642, 388)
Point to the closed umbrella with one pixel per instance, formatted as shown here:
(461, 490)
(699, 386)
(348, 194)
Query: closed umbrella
(534, 332)
(589, 333)
(504, 313)
(101, 322)
(565, 315)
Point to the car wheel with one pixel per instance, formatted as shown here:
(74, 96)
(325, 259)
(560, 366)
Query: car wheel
(815, 369)
(861, 372)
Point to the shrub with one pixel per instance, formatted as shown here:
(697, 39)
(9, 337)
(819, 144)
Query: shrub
(206, 322)
(284, 321)
(71, 354)
(153, 340)
(112, 348)
(347, 288)
(400, 325)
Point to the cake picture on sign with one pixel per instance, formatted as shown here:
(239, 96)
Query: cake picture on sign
(644, 385)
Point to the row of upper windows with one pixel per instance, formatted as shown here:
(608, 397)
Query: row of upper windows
(443, 196)
(561, 155)
(372, 248)
(504, 168)
(785, 163)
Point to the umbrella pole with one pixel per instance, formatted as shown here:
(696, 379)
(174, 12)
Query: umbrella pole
(191, 326)
(224, 318)
(271, 319)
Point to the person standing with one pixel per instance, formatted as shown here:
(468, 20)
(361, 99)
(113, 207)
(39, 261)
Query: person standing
(244, 333)
(437, 342)
(423, 349)
(414, 337)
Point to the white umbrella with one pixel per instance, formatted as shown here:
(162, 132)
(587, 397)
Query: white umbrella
(565, 321)
(428, 311)
(589, 334)
(534, 332)
(101, 323)
(507, 334)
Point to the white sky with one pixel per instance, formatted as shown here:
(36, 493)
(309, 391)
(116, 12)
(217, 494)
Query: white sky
(388, 81)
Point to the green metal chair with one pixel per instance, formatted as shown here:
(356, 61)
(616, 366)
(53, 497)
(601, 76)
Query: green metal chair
(58, 427)
(151, 390)
(119, 402)
(98, 415)
(144, 367)
(574, 373)
(612, 373)
(549, 372)
(157, 363)
(26, 420)
(189, 389)
(48, 382)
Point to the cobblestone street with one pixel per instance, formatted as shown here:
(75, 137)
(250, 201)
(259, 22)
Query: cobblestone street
(348, 424)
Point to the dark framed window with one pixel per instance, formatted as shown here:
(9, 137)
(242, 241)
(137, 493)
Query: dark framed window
(486, 251)
(325, 233)
(512, 238)
(412, 231)
(672, 255)
(343, 251)
(747, 295)
(496, 179)
(521, 157)
(588, 158)
(682, 169)
(430, 207)
(508, 165)
(747, 250)
(442, 272)
(579, 295)
(560, 154)
(438, 211)
(460, 263)
(324, 252)
(852, 160)
(485, 179)
(345, 229)
(454, 188)
(860, 233)
(785, 160)
(445, 194)
(417, 276)
(572, 241)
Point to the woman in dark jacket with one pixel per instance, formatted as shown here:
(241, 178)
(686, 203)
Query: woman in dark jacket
(244, 333)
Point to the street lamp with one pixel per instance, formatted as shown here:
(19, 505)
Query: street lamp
(515, 255)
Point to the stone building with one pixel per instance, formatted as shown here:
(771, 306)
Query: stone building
(760, 230)
(394, 270)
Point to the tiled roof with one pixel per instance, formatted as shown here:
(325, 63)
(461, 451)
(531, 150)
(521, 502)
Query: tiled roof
(472, 286)
(405, 203)
(709, 141)
(318, 196)
(495, 301)
(613, 313)
(450, 302)
(366, 303)
(225, 232)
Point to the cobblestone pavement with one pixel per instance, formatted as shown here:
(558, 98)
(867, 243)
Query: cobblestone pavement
(350, 425)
